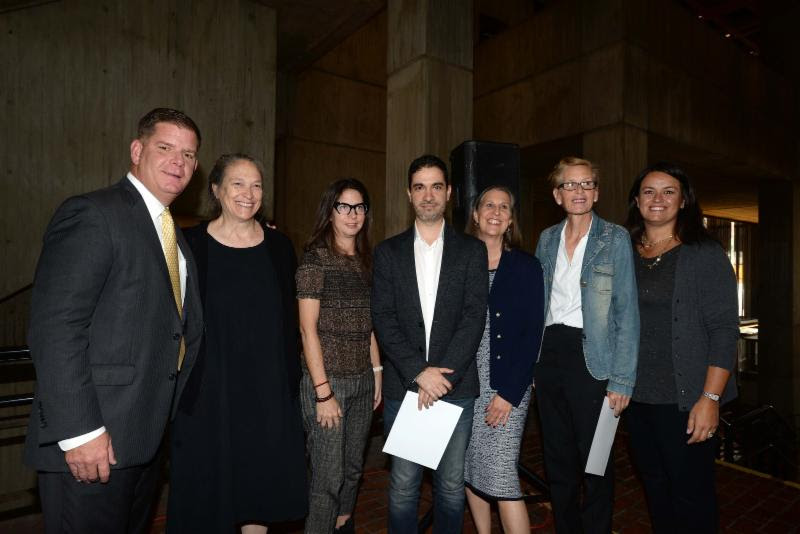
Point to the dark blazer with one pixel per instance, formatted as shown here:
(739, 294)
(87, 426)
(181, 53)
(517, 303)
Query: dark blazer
(516, 318)
(459, 315)
(104, 332)
(706, 320)
(285, 263)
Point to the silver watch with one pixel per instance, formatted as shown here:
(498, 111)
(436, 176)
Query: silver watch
(712, 396)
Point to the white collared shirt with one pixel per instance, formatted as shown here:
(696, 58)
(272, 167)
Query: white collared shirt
(565, 295)
(156, 209)
(428, 264)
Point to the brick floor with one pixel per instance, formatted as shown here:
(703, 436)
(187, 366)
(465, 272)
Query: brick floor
(749, 502)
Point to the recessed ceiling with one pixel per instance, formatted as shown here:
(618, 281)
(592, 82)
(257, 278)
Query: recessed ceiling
(307, 29)
(724, 188)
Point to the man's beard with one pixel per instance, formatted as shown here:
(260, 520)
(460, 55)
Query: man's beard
(432, 215)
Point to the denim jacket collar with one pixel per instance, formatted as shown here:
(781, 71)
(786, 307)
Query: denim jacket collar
(599, 236)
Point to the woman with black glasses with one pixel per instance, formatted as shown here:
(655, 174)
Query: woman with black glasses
(590, 344)
(341, 383)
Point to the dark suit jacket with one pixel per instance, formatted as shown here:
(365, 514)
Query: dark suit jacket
(516, 317)
(284, 260)
(104, 332)
(459, 315)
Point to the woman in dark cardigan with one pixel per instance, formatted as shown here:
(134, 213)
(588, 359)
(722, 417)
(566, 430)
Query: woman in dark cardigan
(506, 357)
(237, 459)
(689, 329)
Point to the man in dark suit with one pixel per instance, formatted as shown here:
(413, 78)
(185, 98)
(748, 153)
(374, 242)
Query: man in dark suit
(429, 297)
(115, 326)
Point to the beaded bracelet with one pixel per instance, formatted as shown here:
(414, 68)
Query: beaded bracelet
(377, 369)
(323, 399)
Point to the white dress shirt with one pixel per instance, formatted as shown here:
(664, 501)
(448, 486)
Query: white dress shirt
(565, 295)
(156, 209)
(428, 264)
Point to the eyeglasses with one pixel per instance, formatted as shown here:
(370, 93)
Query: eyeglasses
(343, 208)
(586, 185)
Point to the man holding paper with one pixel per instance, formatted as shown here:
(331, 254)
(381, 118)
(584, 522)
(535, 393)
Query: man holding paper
(429, 298)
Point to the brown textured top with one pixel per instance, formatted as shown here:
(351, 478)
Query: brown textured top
(344, 324)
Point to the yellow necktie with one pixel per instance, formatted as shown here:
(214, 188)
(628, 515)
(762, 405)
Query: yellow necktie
(171, 255)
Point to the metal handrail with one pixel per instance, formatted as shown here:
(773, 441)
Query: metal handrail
(14, 354)
(19, 291)
(10, 355)
(9, 401)
(762, 439)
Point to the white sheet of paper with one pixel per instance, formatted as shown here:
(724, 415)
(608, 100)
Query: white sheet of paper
(421, 436)
(602, 441)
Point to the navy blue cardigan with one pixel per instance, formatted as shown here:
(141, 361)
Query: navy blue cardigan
(516, 323)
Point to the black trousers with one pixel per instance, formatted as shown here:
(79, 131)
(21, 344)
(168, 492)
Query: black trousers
(678, 478)
(569, 401)
(122, 505)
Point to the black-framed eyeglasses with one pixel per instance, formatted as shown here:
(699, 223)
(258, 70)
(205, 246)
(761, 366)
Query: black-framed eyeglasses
(586, 185)
(343, 208)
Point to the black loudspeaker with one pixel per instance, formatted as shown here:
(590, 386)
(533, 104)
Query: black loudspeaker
(476, 165)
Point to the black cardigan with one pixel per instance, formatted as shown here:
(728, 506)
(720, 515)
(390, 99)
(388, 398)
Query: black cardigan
(705, 320)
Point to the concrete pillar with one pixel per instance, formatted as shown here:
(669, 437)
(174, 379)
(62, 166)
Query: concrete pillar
(778, 305)
(429, 90)
(620, 151)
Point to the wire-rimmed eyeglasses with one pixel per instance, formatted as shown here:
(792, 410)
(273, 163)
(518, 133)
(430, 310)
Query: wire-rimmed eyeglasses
(343, 208)
(586, 185)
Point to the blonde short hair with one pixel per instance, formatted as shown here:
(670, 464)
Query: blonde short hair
(571, 161)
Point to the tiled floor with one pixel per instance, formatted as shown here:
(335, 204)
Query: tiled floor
(749, 502)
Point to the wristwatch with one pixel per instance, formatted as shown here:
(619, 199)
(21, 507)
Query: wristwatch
(712, 396)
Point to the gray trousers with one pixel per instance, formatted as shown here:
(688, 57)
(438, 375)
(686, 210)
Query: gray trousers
(337, 454)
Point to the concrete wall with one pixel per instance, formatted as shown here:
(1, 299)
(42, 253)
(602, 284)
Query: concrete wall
(615, 74)
(692, 85)
(333, 126)
(76, 78)
(78, 75)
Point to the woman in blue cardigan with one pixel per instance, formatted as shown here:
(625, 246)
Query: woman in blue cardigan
(505, 358)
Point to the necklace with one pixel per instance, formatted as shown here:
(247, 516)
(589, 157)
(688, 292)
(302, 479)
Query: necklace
(647, 245)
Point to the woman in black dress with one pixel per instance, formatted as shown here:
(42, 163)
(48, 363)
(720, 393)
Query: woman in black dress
(689, 330)
(237, 441)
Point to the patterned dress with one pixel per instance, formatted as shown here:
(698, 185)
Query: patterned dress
(490, 465)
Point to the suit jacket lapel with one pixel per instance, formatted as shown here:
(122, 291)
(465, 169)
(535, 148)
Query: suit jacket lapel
(140, 219)
(447, 265)
(191, 268)
(408, 269)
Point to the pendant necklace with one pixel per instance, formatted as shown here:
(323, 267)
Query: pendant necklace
(647, 245)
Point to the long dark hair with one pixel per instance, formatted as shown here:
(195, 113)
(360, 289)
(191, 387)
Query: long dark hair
(322, 236)
(689, 226)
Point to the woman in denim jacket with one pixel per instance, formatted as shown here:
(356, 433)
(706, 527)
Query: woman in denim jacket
(590, 344)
